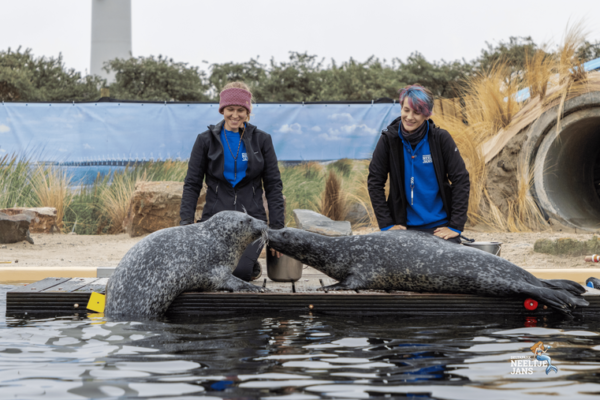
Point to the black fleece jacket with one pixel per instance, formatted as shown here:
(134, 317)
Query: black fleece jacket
(450, 171)
(207, 162)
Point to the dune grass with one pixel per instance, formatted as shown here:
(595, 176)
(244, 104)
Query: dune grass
(15, 187)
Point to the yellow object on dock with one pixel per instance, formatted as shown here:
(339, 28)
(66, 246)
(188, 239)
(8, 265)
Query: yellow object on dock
(97, 302)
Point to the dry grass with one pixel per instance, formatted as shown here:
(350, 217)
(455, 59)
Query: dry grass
(51, 187)
(490, 103)
(115, 198)
(539, 69)
(333, 202)
(523, 213)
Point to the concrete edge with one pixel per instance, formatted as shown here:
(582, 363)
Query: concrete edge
(578, 275)
(10, 275)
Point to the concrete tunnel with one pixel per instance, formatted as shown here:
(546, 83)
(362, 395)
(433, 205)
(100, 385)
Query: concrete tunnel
(566, 162)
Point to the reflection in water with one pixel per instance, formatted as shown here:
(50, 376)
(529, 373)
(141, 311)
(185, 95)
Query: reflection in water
(292, 357)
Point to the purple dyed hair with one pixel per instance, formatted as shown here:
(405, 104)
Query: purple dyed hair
(419, 99)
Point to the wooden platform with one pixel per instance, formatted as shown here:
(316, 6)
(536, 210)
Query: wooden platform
(71, 295)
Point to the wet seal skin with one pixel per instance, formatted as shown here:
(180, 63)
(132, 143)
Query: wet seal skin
(419, 262)
(170, 261)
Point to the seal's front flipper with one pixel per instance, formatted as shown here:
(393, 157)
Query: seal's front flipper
(570, 286)
(350, 283)
(234, 284)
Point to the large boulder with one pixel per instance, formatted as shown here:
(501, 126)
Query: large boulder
(43, 219)
(14, 228)
(314, 222)
(155, 205)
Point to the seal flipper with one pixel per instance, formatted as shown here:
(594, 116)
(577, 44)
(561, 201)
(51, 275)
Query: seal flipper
(351, 282)
(570, 286)
(559, 299)
(234, 284)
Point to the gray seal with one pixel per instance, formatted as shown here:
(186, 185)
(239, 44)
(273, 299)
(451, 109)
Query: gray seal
(419, 262)
(170, 261)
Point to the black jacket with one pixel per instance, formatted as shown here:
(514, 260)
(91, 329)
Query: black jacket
(388, 158)
(207, 160)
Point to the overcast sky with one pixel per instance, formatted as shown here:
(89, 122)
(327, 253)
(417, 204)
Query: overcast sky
(220, 31)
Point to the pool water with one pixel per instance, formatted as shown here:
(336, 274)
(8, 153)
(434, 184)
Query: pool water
(296, 357)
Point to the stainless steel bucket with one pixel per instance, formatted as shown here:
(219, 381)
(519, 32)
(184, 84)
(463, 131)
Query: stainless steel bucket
(490, 247)
(283, 269)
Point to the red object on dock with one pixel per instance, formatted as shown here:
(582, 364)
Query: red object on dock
(530, 304)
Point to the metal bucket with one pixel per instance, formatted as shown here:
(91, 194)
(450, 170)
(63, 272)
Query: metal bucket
(490, 247)
(283, 269)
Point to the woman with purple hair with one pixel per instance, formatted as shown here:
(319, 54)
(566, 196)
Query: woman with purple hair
(429, 184)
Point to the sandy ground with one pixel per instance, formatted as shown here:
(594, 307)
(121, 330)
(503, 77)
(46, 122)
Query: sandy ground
(56, 250)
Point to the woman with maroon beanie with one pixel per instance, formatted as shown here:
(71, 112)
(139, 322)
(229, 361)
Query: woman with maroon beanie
(237, 161)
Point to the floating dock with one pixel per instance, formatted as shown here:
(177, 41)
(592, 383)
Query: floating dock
(62, 296)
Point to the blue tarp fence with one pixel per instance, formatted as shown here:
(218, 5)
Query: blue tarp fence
(129, 131)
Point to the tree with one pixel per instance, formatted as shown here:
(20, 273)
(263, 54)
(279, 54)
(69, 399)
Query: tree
(251, 73)
(588, 51)
(149, 78)
(354, 80)
(444, 79)
(26, 78)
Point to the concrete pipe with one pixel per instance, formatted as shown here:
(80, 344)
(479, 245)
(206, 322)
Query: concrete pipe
(566, 163)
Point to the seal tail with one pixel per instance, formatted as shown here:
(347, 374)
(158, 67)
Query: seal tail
(559, 299)
(570, 286)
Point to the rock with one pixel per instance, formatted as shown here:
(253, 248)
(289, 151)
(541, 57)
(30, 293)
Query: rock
(155, 206)
(14, 228)
(357, 214)
(43, 219)
(317, 223)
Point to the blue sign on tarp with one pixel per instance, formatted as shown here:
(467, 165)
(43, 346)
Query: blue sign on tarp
(63, 132)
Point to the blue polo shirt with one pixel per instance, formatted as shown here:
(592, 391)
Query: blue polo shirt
(233, 138)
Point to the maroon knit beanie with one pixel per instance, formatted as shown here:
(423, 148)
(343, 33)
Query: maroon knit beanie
(235, 97)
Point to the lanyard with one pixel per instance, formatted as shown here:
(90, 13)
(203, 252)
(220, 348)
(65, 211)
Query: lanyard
(238, 149)
(413, 154)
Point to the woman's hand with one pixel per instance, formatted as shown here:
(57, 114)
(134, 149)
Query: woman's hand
(445, 233)
(397, 228)
(275, 253)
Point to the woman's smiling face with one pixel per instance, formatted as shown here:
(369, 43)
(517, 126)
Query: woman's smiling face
(235, 116)
(411, 119)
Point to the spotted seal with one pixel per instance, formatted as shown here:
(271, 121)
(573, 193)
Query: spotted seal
(419, 262)
(170, 261)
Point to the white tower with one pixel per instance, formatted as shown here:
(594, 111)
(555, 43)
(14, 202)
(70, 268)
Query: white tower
(111, 34)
